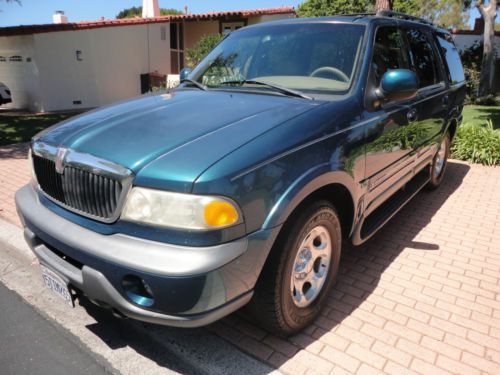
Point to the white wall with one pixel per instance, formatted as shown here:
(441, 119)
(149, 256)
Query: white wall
(270, 17)
(112, 60)
(463, 41)
(22, 78)
(193, 31)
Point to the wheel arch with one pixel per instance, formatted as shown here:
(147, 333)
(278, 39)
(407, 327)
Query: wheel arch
(337, 187)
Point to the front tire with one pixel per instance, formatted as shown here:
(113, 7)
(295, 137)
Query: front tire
(439, 163)
(300, 271)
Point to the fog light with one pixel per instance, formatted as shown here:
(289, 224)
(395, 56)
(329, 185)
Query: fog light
(138, 291)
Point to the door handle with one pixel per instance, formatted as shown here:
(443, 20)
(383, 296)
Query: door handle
(412, 115)
(446, 99)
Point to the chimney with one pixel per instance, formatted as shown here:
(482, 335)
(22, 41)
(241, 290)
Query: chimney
(479, 24)
(150, 8)
(59, 17)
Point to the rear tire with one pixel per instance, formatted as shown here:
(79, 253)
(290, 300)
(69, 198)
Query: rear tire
(439, 163)
(300, 271)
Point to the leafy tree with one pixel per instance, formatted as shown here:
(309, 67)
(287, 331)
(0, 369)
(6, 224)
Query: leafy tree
(137, 12)
(169, 11)
(448, 13)
(201, 49)
(318, 8)
(451, 14)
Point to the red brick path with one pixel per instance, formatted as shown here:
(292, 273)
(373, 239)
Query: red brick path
(14, 173)
(422, 296)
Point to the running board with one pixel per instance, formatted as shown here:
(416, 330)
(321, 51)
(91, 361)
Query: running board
(382, 214)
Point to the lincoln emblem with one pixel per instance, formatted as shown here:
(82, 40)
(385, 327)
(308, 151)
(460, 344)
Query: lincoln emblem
(61, 153)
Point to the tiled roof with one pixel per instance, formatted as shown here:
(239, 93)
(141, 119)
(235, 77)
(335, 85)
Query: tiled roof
(470, 32)
(45, 28)
(477, 30)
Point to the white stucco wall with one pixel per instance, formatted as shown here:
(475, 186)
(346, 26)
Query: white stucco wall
(22, 78)
(463, 41)
(193, 31)
(271, 17)
(112, 60)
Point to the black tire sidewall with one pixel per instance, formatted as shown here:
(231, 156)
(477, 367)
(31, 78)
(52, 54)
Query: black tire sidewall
(296, 318)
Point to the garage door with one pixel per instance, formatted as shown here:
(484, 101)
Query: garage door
(17, 72)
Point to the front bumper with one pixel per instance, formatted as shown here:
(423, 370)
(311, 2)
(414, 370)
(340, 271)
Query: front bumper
(192, 286)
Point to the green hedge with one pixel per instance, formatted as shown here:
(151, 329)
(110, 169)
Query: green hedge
(477, 143)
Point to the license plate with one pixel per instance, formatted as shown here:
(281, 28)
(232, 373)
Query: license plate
(55, 283)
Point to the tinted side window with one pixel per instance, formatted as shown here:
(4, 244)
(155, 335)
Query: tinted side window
(450, 55)
(388, 52)
(422, 57)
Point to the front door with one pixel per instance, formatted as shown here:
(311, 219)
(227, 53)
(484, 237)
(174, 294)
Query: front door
(390, 133)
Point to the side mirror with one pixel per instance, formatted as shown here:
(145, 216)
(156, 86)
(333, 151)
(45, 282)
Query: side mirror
(184, 73)
(398, 84)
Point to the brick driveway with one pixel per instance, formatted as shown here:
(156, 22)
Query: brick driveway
(422, 296)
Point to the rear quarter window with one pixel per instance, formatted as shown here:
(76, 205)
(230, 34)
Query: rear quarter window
(450, 54)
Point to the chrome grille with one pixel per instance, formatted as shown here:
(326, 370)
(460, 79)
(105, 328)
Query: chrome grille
(81, 190)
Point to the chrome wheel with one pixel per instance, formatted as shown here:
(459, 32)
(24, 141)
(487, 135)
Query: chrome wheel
(440, 159)
(311, 265)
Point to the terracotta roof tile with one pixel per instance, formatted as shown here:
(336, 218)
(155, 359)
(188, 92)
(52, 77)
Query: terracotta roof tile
(45, 28)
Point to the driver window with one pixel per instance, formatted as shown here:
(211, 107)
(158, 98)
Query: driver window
(388, 53)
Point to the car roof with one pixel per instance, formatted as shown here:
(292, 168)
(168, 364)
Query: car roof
(363, 18)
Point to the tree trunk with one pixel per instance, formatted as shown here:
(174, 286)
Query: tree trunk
(489, 14)
(383, 5)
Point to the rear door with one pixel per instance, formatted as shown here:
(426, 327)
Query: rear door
(429, 109)
(454, 71)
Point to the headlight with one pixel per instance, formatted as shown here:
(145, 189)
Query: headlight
(176, 210)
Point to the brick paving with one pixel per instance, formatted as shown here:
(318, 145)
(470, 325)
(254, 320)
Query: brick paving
(14, 173)
(422, 296)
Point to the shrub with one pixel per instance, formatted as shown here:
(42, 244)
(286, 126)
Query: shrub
(477, 144)
(201, 49)
(471, 59)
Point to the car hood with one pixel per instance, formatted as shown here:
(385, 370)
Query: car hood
(173, 137)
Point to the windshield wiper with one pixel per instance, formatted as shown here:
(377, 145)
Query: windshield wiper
(195, 83)
(283, 90)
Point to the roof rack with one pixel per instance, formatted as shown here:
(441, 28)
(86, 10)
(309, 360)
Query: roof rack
(403, 16)
(358, 14)
(391, 14)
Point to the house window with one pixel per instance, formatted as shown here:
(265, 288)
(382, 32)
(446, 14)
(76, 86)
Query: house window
(176, 47)
(16, 58)
(227, 27)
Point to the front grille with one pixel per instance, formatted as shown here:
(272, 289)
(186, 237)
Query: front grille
(86, 192)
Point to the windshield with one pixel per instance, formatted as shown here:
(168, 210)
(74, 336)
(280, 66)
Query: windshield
(307, 57)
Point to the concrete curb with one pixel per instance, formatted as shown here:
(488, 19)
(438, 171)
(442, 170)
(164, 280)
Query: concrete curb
(13, 236)
(129, 346)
